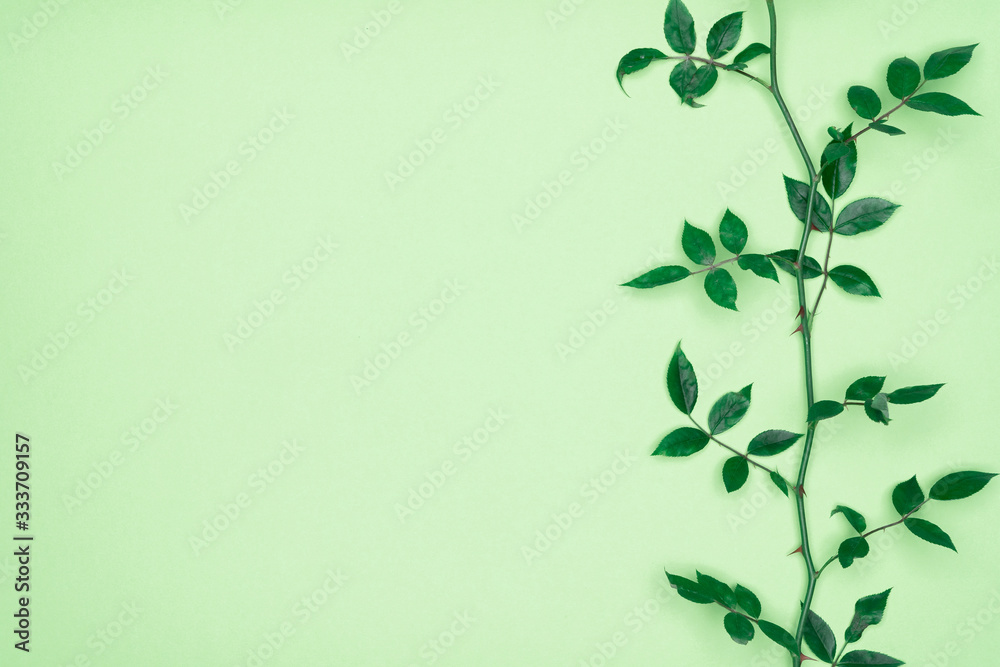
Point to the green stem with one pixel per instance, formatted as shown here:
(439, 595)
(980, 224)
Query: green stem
(722, 66)
(806, 337)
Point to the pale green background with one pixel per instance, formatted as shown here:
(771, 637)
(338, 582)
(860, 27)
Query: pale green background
(494, 348)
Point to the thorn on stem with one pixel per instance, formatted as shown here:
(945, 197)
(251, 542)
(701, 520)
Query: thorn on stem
(797, 551)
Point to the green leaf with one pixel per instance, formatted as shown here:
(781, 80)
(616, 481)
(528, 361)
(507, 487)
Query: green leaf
(960, 485)
(721, 288)
(824, 410)
(779, 482)
(770, 443)
(727, 412)
(698, 245)
(819, 637)
(877, 408)
(785, 260)
(864, 215)
(747, 601)
(864, 101)
(759, 264)
(903, 77)
(853, 658)
(779, 635)
(678, 27)
(947, 62)
(719, 591)
(886, 129)
(724, 35)
(852, 549)
(910, 395)
(681, 76)
(926, 530)
(798, 201)
(684, 441)
(839, 170)
(735, 472)
(703, 80)
(635, 60)
(853, 517)
(682, 383)
(733, 233)
(853, 280)
(664, 275)
(907, 496)
(690, 590)
(865, 388)
(753, 51)
(747, 390)
(868, 611)
(739, 629)
(942, 103)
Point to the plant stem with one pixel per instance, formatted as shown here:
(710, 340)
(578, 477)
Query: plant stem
(716, 265)
(826, 265)
(806, 337)
(722, 66)
(734, 450)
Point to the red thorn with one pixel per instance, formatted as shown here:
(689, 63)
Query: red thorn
(815, 228)
(797, 551)
(802, 312)
(801, 491)
(803, 657)
(798, 329)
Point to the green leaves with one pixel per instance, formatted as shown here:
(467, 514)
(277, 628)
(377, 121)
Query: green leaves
(824, 410)
(868, 611)
(785, 260)
(853, 517)
(780, 482)
(746, 55)
(839, 168)
(882, 127)
(733, 233)
(908, 395)
(853, 280)
(727, 412)
(864, 215)
(721, 288)
(740, 629)
(930, 532)
(942, 103)
(724, 35)
(819, 637)
(853, 658)
(759, 264)
(852, 549)
(719, 591)
(735, 472)
(864, 101)
(865, 388)
(798, 201)
(636, 60)
(877, 409)
(698, 245)
(690, 82)
(947, 62)
(960, 485)
(678, 27)
(663, 275)
(690, 590)
(682, 383)
(779, 635)
(907, 496)
(771, 443)
(747, 601)
(684, 441)
(903, 77)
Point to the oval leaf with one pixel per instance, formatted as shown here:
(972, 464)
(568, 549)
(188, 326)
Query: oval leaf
(739, 629)
(824, 410)
(724, 35)
(747, 601)
(853, 517)
(690, 590)
(721, 288)
(947, 62)
(735, 472)
(635, 60)
(678, 27)
(839, 172)
(852, 658)
(865, 388)
(852, 549)
(684, 441)
(760, 265)
(907, 496)
(733, 233)
(657, 277)
(779, 635)
(960, 485)
(770, 443)
(886, 129)
(903, 77)
(753, 51)
(698, 245)
(721, 592)
(909, 395)
(853, 280)
(682, 383)
(798, 201)
(942, 103)
(864, 215)
(864, 101)
(785, 260)
(819, 637)
(926, 530)
(868, 611)
(727, 412)
(877, 408)
(780, 482)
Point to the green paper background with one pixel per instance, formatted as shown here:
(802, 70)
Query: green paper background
(514, 378)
